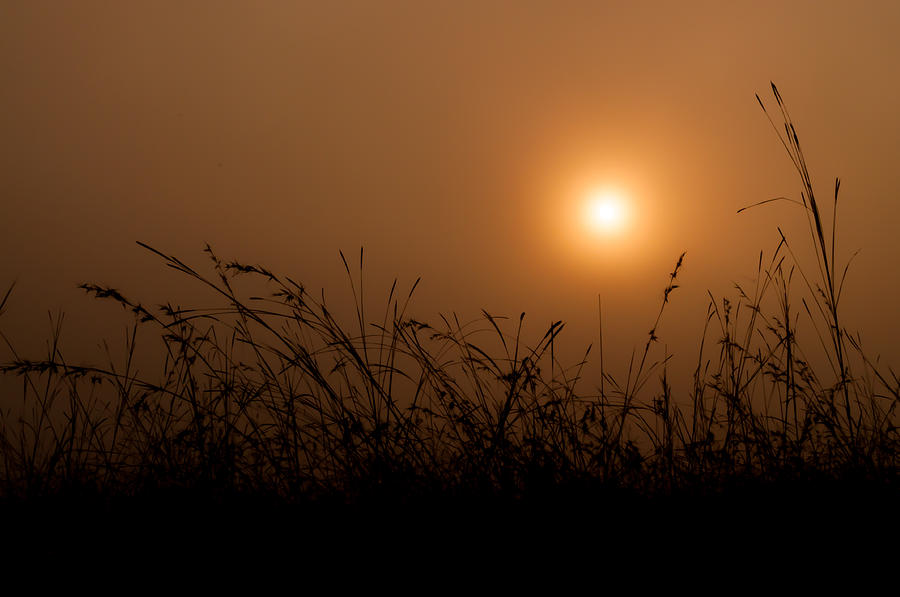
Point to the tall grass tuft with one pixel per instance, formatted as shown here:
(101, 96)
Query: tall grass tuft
(272, 394)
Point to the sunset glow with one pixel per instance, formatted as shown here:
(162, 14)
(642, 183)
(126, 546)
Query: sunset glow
(343, 285)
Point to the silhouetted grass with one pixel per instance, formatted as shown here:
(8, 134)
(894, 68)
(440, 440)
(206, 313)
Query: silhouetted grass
(271, 400)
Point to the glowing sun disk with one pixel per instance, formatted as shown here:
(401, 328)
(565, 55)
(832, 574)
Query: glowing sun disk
(605, 212)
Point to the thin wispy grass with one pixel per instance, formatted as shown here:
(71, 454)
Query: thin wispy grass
(271, 393)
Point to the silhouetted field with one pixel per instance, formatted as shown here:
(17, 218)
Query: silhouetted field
(271, 415)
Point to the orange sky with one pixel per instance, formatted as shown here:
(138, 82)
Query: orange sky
(451, 140)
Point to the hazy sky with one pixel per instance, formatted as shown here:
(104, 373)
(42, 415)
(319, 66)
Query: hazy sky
(453, 140)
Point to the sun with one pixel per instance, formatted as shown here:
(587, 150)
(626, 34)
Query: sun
(605, 211)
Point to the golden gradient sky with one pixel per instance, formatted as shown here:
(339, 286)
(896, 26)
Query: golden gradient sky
(453, 140)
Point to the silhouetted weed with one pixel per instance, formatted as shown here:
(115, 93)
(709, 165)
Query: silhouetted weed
(269, 402)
